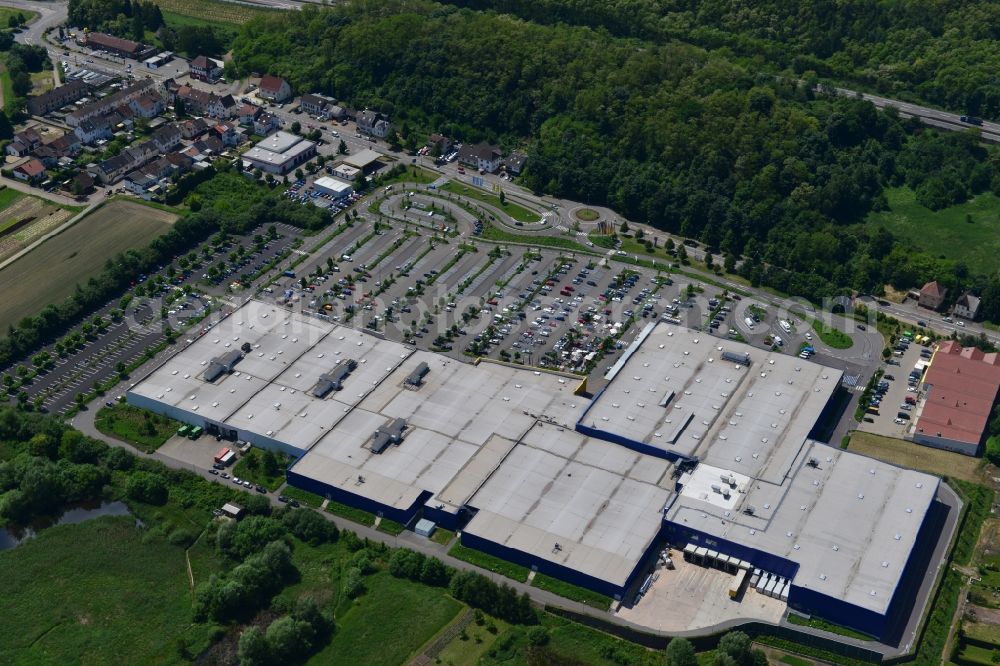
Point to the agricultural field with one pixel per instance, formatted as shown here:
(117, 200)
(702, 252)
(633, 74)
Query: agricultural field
(969, 232)
(914, 456)
(214, 11)
(49, 273)
(134, 598)
(24, 219)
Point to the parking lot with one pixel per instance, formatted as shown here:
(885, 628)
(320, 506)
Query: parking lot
(121, 331)
(899, 404)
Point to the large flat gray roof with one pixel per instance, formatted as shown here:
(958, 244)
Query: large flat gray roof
(583, 503)
(501, 439)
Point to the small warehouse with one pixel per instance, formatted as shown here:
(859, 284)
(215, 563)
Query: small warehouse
(333, 187)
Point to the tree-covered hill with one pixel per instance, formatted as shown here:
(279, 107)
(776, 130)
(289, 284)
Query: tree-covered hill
(688, 140)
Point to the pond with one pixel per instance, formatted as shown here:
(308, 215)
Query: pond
(16, 534)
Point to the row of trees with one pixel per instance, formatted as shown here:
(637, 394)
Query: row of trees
(686, 140)
(237, 206)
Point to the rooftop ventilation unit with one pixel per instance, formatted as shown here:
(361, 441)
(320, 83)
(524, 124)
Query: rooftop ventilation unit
(749, 510)
(392, 433)
(221, 365)
(416, 378)
(813, 463)
(734, 357)
(334, 380)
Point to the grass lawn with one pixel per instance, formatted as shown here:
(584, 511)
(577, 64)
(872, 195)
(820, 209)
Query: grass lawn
(572, 592)
(42, 82)
(602, 240)
(139, 427)
(831, 336)
(491, 232)
(914, 456)
(304, 496)
(571, 643)
(388, 623)
(823, 625)
(792, 660)
(6, 86)
(989, 633)
(413, 174)
(442, 536)
(586, 214)
(251, 468)
(485, 561)
(466, 650)
(7, 198)
(973, 654)
(134, 599)
(517, 212)
(391, 527)
(51, 271)
(350, 513)
(946, 232)
(7, 12)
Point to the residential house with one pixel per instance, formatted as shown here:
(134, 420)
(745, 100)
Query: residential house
(373, 123)
(206, 69)
(193, 128)
(57, 98)
(336, 112)
(967, 306)
(92, 130)
(439, 144)
(206, 103)
(147, 106)
(514, 164)
(123, 48)
(227, 133)
(209, 146)
(274, 88)
(113, 101)
(113, 169)
(82, 183)
(265, 124)
(23, 143)
(30, 171)
(166, 138)
(248, 113)
(139, 182)
(315, 105)
(65, 147)
(932, 296)
(68, 145)
(182, 163)
(481, 156)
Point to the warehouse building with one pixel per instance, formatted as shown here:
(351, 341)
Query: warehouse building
(335, 188)
(279, 153)
(962, 387)
(696, 442)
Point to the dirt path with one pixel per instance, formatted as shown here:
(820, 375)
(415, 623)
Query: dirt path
(187, 560)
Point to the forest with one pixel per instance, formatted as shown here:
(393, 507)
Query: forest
(939, 52)
(694, 141)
